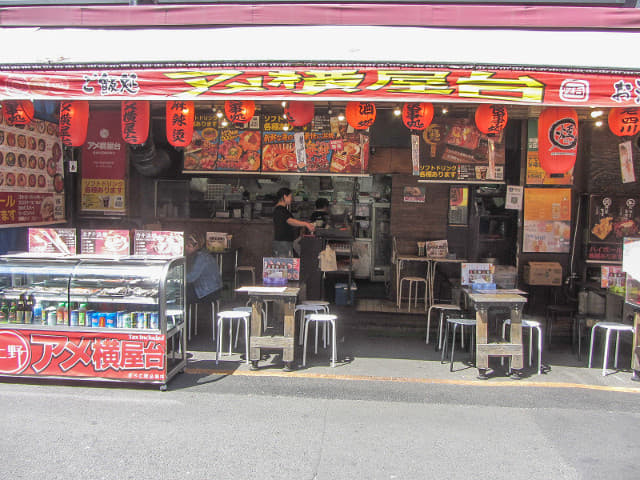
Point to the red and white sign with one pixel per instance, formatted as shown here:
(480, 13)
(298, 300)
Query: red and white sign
(123, 356)
(104, 242)
(158, 243)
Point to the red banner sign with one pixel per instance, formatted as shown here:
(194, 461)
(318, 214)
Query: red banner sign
(123, 356)
(309, 83)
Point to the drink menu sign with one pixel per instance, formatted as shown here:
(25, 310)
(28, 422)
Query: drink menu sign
(31, 174)
(52, 241)
(611, 218)
(158, 243)
(104, 242)
(454, 150)
(123, 356)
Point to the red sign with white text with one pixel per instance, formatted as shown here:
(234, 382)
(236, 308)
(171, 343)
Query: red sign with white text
(531, 87)
(122, 356)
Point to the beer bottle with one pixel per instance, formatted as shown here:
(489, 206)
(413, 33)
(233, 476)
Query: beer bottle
(28, 309)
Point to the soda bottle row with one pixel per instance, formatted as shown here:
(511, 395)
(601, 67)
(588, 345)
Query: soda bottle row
(26, 310)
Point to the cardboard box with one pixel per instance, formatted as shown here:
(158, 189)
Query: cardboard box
(543, 273)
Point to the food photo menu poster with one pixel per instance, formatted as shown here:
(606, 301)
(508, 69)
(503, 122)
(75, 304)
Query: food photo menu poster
(455, 150)
(104, 242)
(52, 241)
(611, 218)
(547, 220)
(31, 174)
(158, 243)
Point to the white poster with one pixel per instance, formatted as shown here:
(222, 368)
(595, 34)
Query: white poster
(626, 162)
(514, 197)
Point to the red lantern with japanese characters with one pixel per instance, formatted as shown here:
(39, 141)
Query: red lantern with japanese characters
(134, 120)
(239, 111)
(491, 119)
(18, 112)
(417, 116)
(179, 123)
(74, 120)
(360, 115)
(299, 114)
(557, 139)
(624, 121)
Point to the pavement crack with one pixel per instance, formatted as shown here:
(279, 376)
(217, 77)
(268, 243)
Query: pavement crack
(314, 475)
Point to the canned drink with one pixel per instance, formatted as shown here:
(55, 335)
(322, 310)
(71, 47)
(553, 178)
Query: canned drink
(120, 321)
(73, 318)
(154, 320)
(111, 320)
(52, 317)
(89, 318)
(126, 320)
(141, 320)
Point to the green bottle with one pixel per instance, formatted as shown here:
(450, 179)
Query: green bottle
(4, 312)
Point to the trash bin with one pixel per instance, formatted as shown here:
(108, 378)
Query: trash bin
(344, 295)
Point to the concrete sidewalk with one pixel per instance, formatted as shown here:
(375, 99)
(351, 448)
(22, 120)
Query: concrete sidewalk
(391, 347)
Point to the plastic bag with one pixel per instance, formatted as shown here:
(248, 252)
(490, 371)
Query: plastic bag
(328, 262)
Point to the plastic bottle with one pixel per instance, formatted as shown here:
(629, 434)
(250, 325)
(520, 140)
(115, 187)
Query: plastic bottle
(60, 314)
(82, 315)
(12, 312)
(37, 314)
(4, 312)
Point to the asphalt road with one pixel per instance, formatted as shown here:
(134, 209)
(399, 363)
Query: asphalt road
(251, 427)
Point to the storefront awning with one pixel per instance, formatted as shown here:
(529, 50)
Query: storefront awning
(545, 67)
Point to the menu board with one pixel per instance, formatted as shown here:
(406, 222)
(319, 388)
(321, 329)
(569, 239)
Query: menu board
(52, 241)
(280, 268)
(104, 242)
(471, 273)
(31, 174)
(455, 150)
(611, 218)
(158, 243)
(202, 152)
(547, 220)
(239, 150)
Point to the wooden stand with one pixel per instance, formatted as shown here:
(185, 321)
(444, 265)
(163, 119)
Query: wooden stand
(482, 302)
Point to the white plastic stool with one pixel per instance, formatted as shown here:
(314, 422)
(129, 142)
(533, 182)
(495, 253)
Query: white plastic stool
(323, 303)
(326, 318)
(193, 310)
(608, 326)
(442, 307)
(231, 316)
(413, 281)
(531, 325)
(462, 322)
(314, 308)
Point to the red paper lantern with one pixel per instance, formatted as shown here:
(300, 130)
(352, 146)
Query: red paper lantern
(557, 139)
(134, 116)
(18, 112)
(491, 119)
(417, 116)
(360, 115)
(74, 120)
(624, 121)
(299, 113)
(179, 123)
(239, 111)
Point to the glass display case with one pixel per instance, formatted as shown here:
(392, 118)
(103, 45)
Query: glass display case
(89, 317)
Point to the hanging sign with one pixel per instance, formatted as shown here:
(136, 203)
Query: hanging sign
(135, 121)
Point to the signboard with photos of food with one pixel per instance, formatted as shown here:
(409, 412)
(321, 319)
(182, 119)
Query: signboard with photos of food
(104, 242)
(611, 218)
(158, 243)
(455, 150)
(31, 174)
(202, 153)
(52, 241)
(547, 220)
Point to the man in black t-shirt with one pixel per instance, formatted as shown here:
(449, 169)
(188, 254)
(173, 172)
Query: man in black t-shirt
(284, 225)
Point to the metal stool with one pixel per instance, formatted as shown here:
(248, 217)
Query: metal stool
(193, 310)
(231, 316)
(245, 268)
(325, 318)
(531, 325)
(314, 308)
(442, 307)
(463, 322)
(413, 281)
(322, 303)
(608, 327)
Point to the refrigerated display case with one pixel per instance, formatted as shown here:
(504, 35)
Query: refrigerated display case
(381, 242)
(92, 318)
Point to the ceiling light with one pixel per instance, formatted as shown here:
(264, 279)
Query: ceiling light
(599, 123)
(283, 103)
(224, 123)
(445, 110)
(596, 113)
(285, 127)
(341, 117)
(219, 113)
(396, 111)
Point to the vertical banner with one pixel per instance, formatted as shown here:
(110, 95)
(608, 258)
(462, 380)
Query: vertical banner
(31, 174)
(415, 154)
(103, 166)
(626, 162)
(547, 220)
(301, 154)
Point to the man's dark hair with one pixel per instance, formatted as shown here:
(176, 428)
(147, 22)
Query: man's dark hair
(283, 192)
(322, 203)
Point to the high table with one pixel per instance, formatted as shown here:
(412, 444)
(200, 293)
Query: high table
(284, 299)
(482, 302)
(431, 265)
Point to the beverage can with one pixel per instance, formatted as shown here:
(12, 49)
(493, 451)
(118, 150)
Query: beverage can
(95, 319)
(111, 320)
(126, 320)
(119, 319)
(88, 318)
(37, 313)
(154, 320)
(73, 318)
(141, 320)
